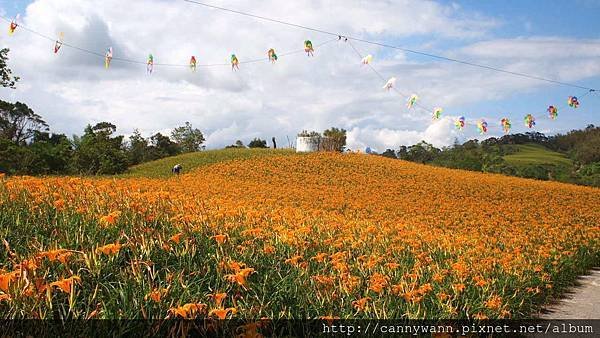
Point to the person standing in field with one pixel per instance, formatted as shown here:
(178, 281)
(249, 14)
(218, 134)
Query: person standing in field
(177, 169)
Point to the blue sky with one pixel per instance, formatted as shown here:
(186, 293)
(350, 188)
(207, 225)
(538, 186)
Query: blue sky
(578, 18)
(553, 39)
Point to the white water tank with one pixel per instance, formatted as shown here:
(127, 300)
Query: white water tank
(307, 144)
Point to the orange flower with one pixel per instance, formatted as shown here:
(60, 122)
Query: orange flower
(66, 284)
(240, 276)
(59, 204)
(480, 316)
(222, 313)
(378, 282)
(320, 257)
(494, 303)
(36, 288)
(392, 266)
(176, 238)
(443, 296)
(294, 260)
(220, 238)
(218, 298)
(269, 249)
(28, 264)
(425, 289)
(109, 249)
(156, 295)
(8, 278)
(60, 255)
(5, 297)
(324, 280)
(459, 287)
(252, 232)
(110, 219)
(361, 304)
(438, 278)
(189, 311)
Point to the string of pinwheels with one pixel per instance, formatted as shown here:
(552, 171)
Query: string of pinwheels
(412, 101)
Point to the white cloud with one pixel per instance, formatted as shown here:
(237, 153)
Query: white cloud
(439, 133)
(263, 100)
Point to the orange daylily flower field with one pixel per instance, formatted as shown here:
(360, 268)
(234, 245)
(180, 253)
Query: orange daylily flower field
(307, 236)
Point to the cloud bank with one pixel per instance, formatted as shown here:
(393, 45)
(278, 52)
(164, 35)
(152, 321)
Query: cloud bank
(72, 89)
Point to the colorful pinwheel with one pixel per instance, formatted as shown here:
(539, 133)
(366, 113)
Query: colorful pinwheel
(573, 102)
(308, 48)
(108, 57)
(59, 42)
(552, 112)
(234, 62)
(505, 122)
(412, 100)
(367, 59)
(529, 121)
(150, 64)
(13, 25)
(460, 123)
(390, 83)
(482, 126)
(193, 63)
(272, 55)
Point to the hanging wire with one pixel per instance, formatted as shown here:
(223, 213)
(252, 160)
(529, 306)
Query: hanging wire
(338, 37)
(360, 55)
(439, 57)
(132, 61)
(540, 116)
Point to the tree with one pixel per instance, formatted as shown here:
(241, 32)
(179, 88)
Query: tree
(257, 143)
(162, 146)
(237, 144)
(18, 122)
(138, 148)
(98, 152)
(7, 80)
(402, 153)
(389, 153)
(188, 138)
(422, 152)
(306, 133)
(47, 154)
(337, 139)
(10, 156)
(18, 125)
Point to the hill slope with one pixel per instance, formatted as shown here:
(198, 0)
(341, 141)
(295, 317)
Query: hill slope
(323, 234)
(191, 161)
(535, 154)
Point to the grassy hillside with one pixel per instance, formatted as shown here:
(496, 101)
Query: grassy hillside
(535, 154)
(191, 161)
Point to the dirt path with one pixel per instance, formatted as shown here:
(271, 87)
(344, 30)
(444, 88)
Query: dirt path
(581, 302)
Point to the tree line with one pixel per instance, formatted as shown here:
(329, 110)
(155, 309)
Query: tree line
(581, 146)
(27, 147)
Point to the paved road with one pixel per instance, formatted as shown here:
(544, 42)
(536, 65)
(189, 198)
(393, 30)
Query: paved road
(581, 302)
